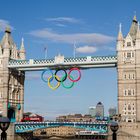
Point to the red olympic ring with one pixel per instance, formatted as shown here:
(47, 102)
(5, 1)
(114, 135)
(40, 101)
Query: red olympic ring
(72, 69)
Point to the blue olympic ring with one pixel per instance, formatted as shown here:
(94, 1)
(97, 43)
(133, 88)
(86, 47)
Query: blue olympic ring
(42, 75)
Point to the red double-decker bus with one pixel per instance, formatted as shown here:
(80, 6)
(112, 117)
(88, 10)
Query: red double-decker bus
(32, 118)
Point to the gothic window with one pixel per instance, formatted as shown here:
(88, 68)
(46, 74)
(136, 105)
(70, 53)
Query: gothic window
(129, 76)
(18, 96)
(133, 76)
(125, 76)
(132, 54)
(18, 55)
(133, 108)
(124, 54)
(10, 52)
(128, 44)
(128, 55)
(134, 120)
(129, 107)
(125, 92)
(129, 92)
(133, 92)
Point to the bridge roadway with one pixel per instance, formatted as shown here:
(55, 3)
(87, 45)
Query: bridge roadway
(64, 63)
(23, 127)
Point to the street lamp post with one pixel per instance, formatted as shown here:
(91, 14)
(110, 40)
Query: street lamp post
(4, 124)
(114, 127)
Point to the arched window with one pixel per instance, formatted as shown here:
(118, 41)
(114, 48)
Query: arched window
(129, 55)
(128, 44)
(125, 92)
(129, 107)
(129, 76)
(125, 76)
(18, 96)
(129, 92)
(133, 76)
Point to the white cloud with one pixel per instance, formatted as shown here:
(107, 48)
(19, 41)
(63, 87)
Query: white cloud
(64, 19)
(96, 38)
(4, 24)
(86, 49)
(60, 25)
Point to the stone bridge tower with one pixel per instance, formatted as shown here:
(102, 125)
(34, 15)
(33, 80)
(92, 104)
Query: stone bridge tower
(128, 53)
(11, 81)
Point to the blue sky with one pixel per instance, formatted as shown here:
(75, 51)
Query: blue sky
(57, 24)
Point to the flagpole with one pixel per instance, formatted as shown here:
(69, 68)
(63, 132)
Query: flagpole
(46, 51)
(74, 50)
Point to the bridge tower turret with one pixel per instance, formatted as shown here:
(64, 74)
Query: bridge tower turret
(22, 50)
(128, 67)
(11, 81)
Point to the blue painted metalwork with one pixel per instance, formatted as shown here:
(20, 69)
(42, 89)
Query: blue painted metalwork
(22, 127)
(61, 62)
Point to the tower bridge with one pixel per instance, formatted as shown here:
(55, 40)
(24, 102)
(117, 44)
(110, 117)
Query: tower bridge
(13, 65)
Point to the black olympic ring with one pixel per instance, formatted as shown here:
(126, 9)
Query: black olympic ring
(65, 76)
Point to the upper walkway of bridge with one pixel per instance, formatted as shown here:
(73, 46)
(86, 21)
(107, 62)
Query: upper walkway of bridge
(65, 63)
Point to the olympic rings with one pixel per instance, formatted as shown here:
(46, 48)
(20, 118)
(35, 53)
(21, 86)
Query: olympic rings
(70, 76)
(58, 83)
(42, 75)
(72, 84)
(63, 78)
(60, 80)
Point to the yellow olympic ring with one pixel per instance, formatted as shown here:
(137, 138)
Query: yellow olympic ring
(49, 84)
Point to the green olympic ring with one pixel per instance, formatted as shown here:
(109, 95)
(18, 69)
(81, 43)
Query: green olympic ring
(67, 87)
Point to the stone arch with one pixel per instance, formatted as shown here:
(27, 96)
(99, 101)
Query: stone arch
(12, 114)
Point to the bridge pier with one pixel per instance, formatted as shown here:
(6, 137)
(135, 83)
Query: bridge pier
(11, 132)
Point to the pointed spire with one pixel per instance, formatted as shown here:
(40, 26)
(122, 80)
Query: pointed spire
(6, 40)
(7, 37)
(135, 18)
(22, 45)
(133, 28)
(120, 27)
(22, 50)
(8, 30)
(120, 35)
(138, 32)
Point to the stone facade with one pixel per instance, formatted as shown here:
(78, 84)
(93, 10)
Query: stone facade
(11, 82)
(57, 131)
(128, 53)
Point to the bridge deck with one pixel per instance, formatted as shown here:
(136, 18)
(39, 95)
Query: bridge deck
(22, 127)
(65, 63)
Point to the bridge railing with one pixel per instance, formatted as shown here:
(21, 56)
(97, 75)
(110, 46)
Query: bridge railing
(81, 62)
(22, 127)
